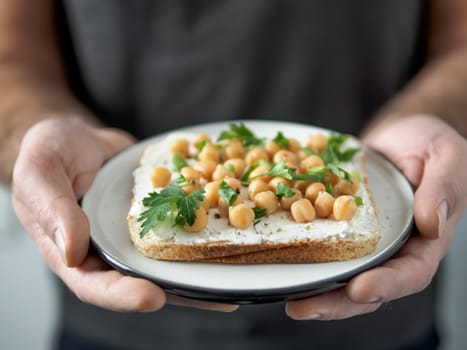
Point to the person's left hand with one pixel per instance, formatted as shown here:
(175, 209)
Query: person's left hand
(433, 157)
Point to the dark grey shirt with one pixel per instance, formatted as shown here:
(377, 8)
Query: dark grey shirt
(149, 66)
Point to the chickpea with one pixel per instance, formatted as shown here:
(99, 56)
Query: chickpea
(294, 145)
(233, 149)
(345, 187)
(160, 176)
(200, 138)
(205, 168)
(302, 211)
(234, 183)
(180, 147)
(301, 154)
(260, 170)
(190, 174)
(286, 202)
(224, 208)
(310, 162)
(204, 204)
(317, 142)
(301, 185)
(256, 154)
(275, 181)
(267, 200)
(257, 186)
(344, 208)
(210, 152)
(221, 172)
(271, 147)
(313, 190)
(324, 204)
(211, 193)
(200, 221)
(237, 165)
(241, 216)
(290, 158)
(191, 187)
(331, 178)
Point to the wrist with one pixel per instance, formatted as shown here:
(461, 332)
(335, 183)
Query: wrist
(14, 124)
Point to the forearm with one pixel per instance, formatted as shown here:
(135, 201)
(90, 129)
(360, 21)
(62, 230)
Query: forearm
(27, 98)
(439, 89)
(33, 84)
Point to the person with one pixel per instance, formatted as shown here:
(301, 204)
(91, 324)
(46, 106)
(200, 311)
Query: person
(79, 80)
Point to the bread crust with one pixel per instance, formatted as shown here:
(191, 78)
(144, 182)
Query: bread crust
(299, 251)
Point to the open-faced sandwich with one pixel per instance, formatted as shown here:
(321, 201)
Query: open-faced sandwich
(239, 198)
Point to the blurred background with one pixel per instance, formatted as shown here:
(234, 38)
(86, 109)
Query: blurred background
(28, 309)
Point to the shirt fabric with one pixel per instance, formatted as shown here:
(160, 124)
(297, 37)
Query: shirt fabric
(151, 66)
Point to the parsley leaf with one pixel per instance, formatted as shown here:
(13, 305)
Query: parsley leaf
(246, 175)
(178, 162)
(284, 190)
(227, 193)
(358, 200)
(186, 205)
(281, 140)
(329, 189)
(259, 212)
(333, 153)
(315, 174)
(181, 181)
(282, 170)
(170, 203)
(240, 132)
(202, 144)
(308, 151)
(340, 172)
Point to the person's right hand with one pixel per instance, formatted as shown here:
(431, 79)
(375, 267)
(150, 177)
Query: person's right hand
(56, 165)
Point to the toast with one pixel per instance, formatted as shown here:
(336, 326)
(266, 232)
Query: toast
(176, 215)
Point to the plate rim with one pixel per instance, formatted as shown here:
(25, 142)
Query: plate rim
(251, 296)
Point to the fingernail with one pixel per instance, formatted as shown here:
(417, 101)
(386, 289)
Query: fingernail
(60, 243)
(374, 300)
(442, 217)
(314, 316)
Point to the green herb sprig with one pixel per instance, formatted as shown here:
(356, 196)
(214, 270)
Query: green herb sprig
(333, 153)
(178, 162)
(170, 204)
(241, 132)
(227, 193)
(282, 170)
(281, 140)
(284, 190)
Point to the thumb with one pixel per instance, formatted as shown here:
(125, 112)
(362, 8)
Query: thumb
(47, 205)
(68, 226)
(442, 191)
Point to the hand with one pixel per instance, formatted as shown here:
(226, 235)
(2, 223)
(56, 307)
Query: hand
(57, 163)
(433, 157)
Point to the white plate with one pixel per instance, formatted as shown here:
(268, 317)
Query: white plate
(108, 201)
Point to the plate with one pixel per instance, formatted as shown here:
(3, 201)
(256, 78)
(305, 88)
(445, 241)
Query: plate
(108, 201)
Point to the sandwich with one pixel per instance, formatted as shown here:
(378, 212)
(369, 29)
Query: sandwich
(240, 198)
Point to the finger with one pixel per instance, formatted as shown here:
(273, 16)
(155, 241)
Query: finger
(441, 192)
(114, 140)
(95, 283)
(333, 305)
(47, 205)
(205, 305)
(409, 272)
